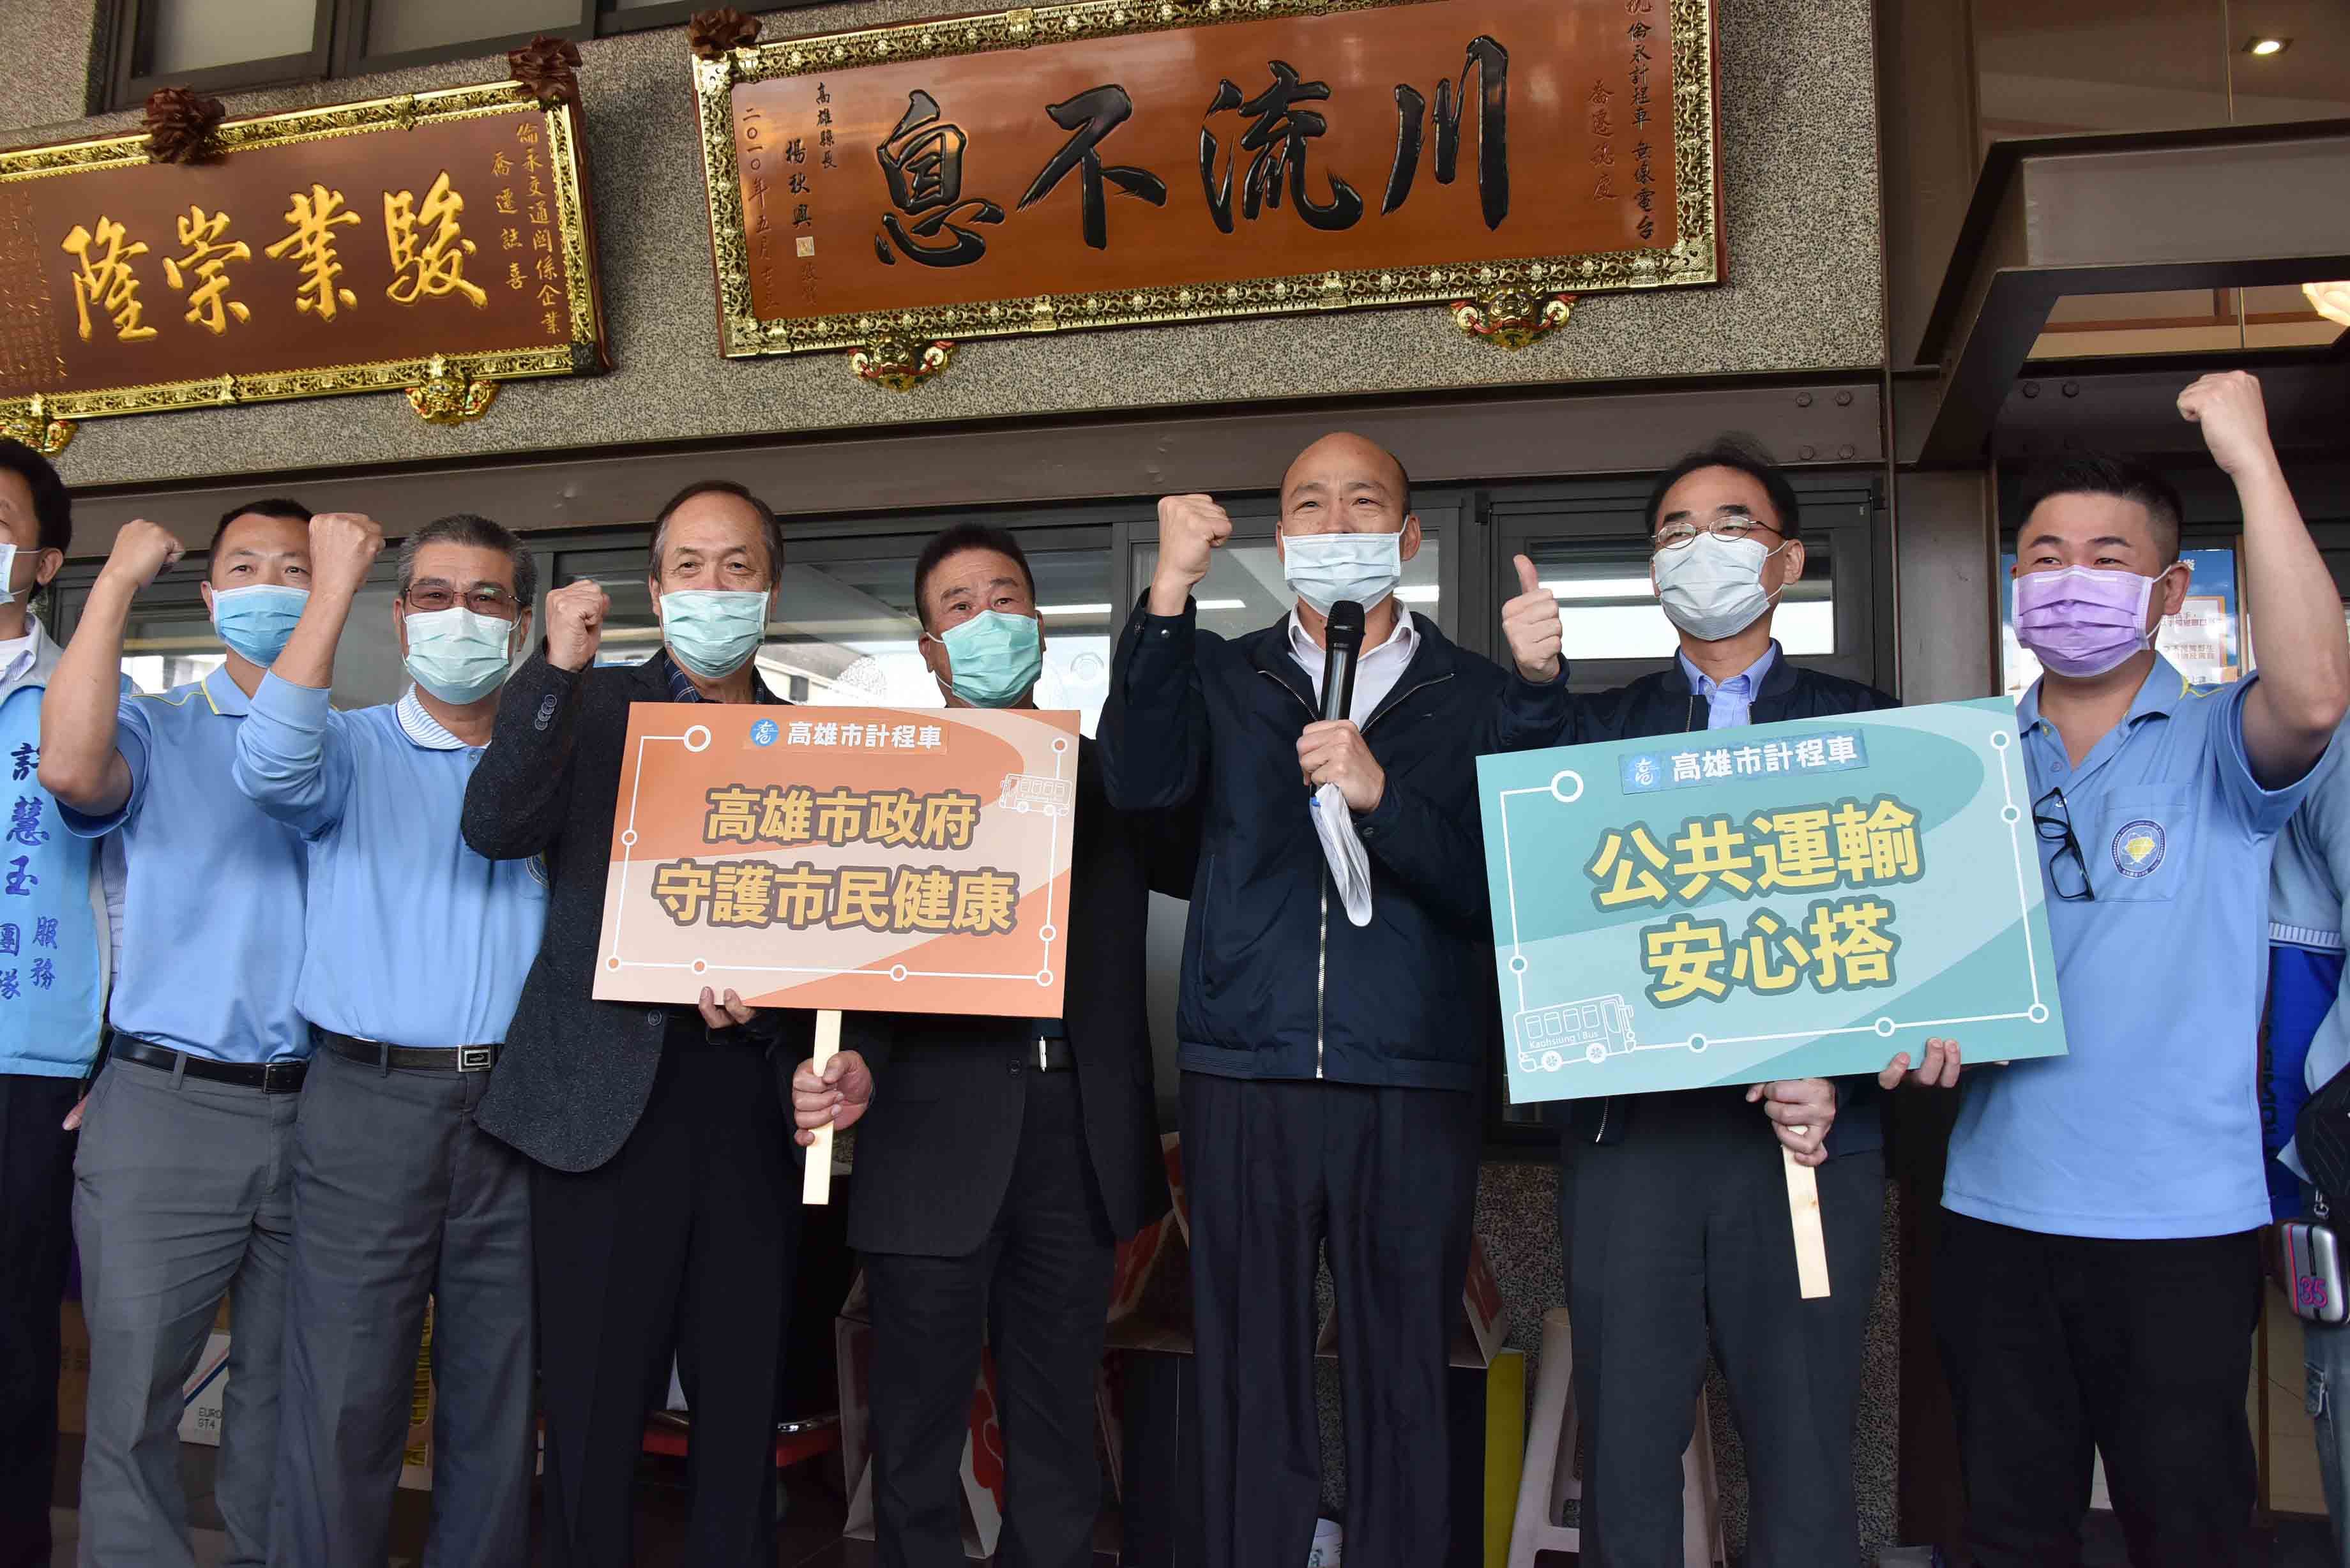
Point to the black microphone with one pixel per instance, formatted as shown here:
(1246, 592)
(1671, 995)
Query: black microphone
(1342, 647)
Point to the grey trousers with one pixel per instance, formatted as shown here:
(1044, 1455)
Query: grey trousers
(182, 1194)
(397, 1194)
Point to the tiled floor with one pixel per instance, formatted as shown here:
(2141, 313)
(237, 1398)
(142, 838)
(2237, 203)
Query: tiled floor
(808, 1536)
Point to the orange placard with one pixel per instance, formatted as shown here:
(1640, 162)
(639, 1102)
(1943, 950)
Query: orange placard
(861, 859)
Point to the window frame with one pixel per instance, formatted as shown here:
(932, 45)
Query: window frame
(338, 45)
(1477, 526)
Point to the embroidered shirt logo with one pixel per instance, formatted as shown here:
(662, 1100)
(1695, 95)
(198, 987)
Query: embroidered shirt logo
(2139, 848)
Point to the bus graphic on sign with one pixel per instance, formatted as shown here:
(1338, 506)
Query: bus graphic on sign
(1036, 792)
(1593, 1029)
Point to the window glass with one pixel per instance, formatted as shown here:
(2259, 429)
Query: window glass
(196, 35)
(171, 642)
(1609, 610)
(845, 633)
(396, 25)
(1245, 590)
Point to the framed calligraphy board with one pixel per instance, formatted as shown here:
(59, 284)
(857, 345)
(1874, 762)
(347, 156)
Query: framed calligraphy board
(1114, 162)
(439, 241)
(846, 859)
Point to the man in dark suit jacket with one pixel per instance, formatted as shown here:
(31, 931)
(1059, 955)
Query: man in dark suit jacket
(663, 1212)
(1673, 1206)
(999, 1160)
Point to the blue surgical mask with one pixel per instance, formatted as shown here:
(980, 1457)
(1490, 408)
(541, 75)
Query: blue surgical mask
(257, 621)
(996, 656)
(1325, 568)
(713, 631)
(458, 656)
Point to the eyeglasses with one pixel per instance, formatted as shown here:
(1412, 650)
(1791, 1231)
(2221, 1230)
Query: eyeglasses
(1682, 536)
(427, 597)
(2068, 868)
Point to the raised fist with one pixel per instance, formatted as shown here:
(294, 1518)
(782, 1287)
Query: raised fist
(2227, 404)
(1531, 624)
(1190, 529)
(574, 623)
(142, 552)
(343, 546)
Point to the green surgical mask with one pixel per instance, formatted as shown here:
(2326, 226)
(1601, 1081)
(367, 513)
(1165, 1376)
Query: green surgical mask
(996, 656)
(713, 632)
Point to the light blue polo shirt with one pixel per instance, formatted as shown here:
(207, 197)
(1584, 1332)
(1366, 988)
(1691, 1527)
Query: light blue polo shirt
(2150, 1126)
(413, 938)
(212, 921)
(1730, 704)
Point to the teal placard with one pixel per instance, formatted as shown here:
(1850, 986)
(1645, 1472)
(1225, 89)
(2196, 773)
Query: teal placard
(1801, 899)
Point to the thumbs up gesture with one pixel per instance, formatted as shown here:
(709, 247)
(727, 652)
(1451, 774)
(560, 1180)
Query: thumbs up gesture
(1531, 623)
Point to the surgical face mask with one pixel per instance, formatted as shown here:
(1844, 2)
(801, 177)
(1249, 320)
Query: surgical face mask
(2081, 621)
(257, 621)
(1711, 588)
(995, 657)
(459, 656)
(1324, 568)
(713, 631)
(7, 574)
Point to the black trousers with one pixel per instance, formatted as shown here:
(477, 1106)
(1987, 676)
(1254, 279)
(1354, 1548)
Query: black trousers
(1036, 1294)
(1385, 1181)
(1679, 1242)
(2058, 1346)
(35, 1231)
(683, 1240)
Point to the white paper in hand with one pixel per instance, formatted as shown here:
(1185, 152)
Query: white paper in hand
(1350, 867)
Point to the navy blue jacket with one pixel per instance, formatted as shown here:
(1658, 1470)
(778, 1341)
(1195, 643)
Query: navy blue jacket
(1277, 982)
(1664, 703)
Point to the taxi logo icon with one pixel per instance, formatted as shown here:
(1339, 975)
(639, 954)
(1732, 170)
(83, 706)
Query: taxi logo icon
(2139, 848)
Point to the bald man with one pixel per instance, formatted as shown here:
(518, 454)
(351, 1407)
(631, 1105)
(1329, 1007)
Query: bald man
(1331, 1069)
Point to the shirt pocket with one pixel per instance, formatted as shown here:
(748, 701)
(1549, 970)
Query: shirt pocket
(2144, 846)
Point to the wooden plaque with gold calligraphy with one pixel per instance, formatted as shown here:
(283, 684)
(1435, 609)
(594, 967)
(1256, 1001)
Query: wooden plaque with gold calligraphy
(439, 242)
(1121, 161)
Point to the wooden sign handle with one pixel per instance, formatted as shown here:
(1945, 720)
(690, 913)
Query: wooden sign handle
(1811, 1243)
(816, 1184)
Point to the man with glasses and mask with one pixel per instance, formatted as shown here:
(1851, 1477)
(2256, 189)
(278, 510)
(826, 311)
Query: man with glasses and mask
(2099, 1277)
(1000, 1160)
(663, 1211)
(1673, 1207)
(1331, 1062)
(415, 951)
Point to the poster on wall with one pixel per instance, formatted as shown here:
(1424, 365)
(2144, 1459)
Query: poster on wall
(1105, 164)
(2206, 639)
(438, 242)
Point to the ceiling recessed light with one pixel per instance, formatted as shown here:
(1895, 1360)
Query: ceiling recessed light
(1075, 610)
(2266, 46)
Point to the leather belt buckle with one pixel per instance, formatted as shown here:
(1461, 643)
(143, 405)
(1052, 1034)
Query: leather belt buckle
(281, 1077)
(476, 1059)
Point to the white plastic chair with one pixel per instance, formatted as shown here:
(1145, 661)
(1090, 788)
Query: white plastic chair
(1549, 1483)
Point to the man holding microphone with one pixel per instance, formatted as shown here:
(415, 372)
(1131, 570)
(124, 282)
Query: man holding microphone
(1330, 1067)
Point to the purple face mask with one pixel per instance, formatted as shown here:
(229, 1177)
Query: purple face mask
(2081, 621)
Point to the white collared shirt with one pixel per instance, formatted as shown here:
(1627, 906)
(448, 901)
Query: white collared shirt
(1375, 675)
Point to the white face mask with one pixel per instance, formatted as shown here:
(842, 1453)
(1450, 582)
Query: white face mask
(1712, 587)
(1324, 568)
(7, 574)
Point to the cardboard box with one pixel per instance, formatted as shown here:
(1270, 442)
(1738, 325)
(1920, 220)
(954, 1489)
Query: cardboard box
(201, 1396)
(416, 1454)
(73, 1368)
